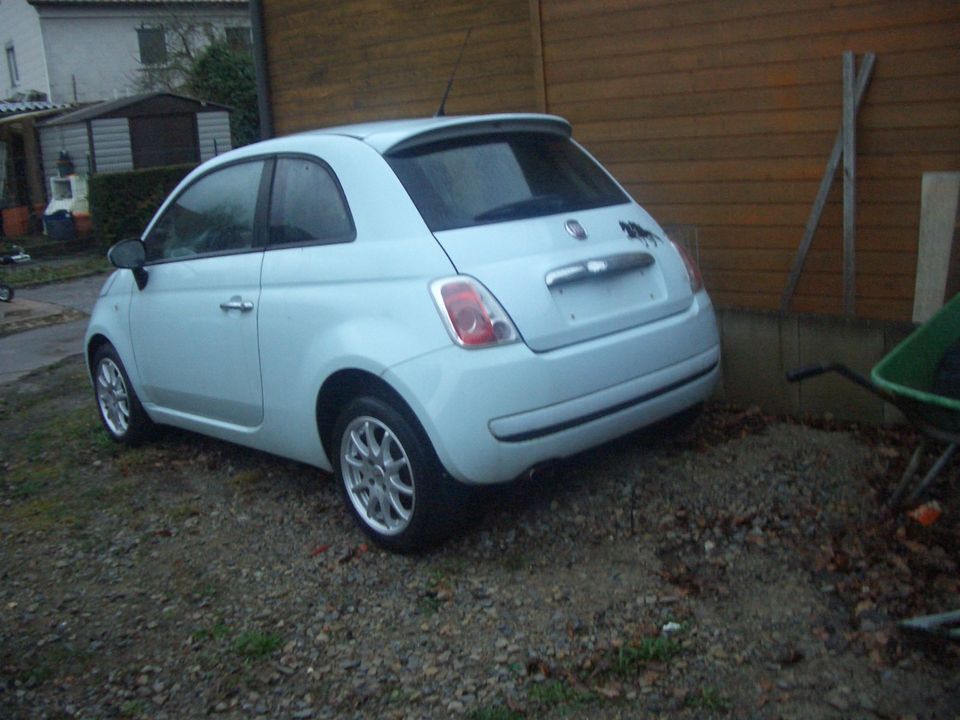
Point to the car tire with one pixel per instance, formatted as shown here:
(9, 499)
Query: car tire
(6, 293)
(117, 403)
(391, 480)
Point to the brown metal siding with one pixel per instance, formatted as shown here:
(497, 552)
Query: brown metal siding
(715, 113)
(722, 114)
(333, 63)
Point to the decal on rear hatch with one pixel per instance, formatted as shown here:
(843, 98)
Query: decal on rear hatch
(638, 232)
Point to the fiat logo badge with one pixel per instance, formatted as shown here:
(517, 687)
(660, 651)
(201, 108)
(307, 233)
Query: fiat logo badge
(575, 230)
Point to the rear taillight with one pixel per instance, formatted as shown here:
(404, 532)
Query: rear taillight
(470, 313)
(693, 272)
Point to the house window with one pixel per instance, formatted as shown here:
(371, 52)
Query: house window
(238, 38)
(12, 66)
(153, 46)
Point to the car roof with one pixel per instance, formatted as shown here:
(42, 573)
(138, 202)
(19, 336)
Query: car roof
(392, 136)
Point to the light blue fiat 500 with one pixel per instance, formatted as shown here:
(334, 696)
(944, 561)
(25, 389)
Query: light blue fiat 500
(417, 306)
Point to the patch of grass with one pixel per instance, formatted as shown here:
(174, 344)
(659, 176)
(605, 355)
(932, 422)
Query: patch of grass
(254, 644)
(496, 712)
(219, 631)
(38, 274)
(134, 708)
(179, 513)
(428, 604)
(135, 460)
(56, 446)
(37, 675)
(26, 487)
(556, 693)
(43, 513)
(709, 698)
(452, 567)
(111, 494)
(204, 590)
(67, 434)
(247, 478)
(515, 561)
(52, 661)
(626, 661)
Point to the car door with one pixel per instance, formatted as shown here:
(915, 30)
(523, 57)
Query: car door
(194, 324)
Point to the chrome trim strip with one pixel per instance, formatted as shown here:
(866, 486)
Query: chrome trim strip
(596, 267)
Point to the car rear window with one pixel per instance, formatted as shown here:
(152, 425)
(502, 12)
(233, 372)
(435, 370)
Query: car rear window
(496, 178)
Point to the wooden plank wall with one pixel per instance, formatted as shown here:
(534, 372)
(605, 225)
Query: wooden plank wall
(721, 114)
(339, 62)
(718, 114)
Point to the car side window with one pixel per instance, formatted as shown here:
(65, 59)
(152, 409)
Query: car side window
(307, 205)
(214, 215)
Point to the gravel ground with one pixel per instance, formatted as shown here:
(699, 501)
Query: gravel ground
(739, 570)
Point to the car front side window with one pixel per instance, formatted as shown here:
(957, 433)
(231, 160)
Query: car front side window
(214, 215)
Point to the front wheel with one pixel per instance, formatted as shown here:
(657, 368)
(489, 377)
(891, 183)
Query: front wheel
(120, 410)
(390, 478)
(6, 293)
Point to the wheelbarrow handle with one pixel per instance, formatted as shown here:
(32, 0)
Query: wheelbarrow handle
(819, 369)
(805, 373)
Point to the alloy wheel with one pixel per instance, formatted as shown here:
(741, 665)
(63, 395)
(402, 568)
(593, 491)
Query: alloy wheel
(112, 397)
(377, 475)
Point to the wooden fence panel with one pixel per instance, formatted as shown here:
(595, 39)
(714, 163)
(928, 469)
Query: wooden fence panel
(721, 114)
(334, 63)
(714, 113)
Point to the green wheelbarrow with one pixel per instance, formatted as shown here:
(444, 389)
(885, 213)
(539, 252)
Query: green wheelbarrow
(919, 376)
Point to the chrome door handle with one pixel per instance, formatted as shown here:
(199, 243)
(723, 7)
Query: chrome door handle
(236, 303)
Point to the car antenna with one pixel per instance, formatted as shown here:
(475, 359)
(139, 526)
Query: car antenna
(446, 93)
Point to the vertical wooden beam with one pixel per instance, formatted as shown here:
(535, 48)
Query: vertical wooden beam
(939, 200)
(849, 186)
(536, 37)
(36, 184)
(863, 79)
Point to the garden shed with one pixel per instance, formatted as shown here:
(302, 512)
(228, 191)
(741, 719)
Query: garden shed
(137, 132)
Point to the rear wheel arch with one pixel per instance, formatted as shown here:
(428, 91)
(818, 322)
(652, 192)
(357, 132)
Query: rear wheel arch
(345, 385)
(376, 446)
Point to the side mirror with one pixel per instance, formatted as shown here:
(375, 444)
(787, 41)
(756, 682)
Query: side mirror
(130, 254)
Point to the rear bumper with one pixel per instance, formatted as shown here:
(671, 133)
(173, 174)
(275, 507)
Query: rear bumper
(568, 415)
(492, 414)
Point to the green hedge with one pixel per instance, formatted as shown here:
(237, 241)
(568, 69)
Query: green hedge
(121, 204)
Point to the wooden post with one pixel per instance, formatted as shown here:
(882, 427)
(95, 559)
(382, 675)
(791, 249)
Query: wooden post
(849, 186)
(863, 79)
(36, 183)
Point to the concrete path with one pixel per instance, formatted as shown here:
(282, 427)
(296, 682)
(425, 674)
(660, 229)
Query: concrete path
(62, 308)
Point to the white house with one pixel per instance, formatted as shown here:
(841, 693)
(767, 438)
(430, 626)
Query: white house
(78, 51)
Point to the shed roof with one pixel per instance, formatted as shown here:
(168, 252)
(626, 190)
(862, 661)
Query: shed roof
(10, 107)
(158, 103)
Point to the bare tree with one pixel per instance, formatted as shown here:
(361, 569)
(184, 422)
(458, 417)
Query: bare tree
(169, 45)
